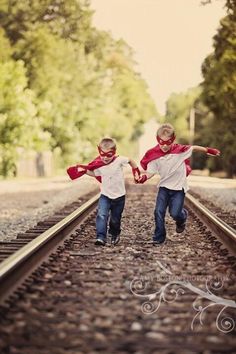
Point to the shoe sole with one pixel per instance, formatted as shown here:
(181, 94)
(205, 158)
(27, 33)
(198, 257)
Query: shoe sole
(158, 243)
(99, 243)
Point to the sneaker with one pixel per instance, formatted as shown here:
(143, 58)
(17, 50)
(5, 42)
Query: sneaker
(180, 227)
(115, 239)
(100, 242)
(157, 243)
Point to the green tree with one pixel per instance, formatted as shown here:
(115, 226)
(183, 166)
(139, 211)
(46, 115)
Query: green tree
(5, 47)
(219, 89)
(18, 122)
(178, 112)
(70, 19)
(84, 82)
(56, 78)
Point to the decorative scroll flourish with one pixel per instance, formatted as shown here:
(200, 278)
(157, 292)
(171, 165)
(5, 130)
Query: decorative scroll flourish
(173, 289)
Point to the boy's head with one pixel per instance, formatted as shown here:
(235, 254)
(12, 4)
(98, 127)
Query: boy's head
(165, 136)
(107, 149)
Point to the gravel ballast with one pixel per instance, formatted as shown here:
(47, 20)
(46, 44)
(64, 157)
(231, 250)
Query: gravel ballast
(24, 203)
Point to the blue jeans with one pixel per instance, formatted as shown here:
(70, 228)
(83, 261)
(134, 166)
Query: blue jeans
(109, 207)
(175, 201)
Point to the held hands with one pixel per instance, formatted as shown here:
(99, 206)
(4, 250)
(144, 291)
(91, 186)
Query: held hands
(212, 151)
(142, 179)
(137, 176)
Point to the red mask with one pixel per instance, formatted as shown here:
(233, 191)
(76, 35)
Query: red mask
(106, 154)
(165, 142)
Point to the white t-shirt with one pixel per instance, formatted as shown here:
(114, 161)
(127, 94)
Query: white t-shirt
(113, 183)
(172, 170)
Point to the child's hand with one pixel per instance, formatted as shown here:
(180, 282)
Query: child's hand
(142, 179)
(136, 174)
(212, 151)
(76, 172)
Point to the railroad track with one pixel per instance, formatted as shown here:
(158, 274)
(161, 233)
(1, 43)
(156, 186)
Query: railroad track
(27, 252)
(228, 217)
(224, 232)
(117, 297)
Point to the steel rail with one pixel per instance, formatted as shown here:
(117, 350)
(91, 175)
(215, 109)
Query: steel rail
(19, 265)
(222, 231)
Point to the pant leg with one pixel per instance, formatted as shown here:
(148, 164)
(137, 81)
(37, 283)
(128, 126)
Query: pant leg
(159, 213)
(104, 206)
(176, 207)
(117, 207)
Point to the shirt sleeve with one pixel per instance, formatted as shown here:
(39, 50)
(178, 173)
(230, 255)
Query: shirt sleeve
(186, 154)
(152, 167)
(123, 160)
(97, 172)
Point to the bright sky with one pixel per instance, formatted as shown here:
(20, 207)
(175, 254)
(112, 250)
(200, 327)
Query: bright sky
(170, 38)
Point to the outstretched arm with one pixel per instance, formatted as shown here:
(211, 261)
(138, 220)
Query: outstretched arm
(92, 174)
(199, 148)
(207, 150)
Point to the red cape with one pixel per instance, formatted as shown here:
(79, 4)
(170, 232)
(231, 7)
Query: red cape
(156, 152)
(79, 170)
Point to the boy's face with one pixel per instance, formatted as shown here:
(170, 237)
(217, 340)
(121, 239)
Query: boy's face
(106, 155)
(165, 142)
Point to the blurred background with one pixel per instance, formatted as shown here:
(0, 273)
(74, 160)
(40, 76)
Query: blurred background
(74, 71)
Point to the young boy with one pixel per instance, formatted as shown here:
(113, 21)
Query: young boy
(107, 168)
(171, 162)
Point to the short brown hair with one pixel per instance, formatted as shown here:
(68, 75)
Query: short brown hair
(166, 129)
(107, 143)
